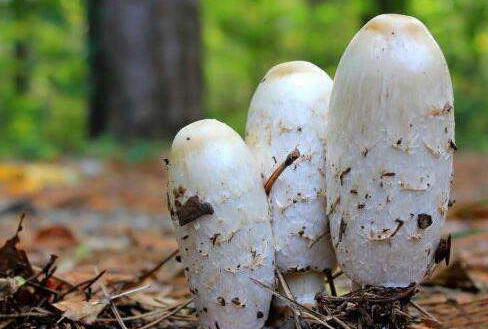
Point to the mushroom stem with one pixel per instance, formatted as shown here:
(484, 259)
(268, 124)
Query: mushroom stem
(277, 172)
(304, 287)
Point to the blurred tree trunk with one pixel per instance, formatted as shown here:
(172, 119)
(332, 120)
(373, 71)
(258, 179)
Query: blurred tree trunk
(145, 66)
(21, 48)
(384, 7)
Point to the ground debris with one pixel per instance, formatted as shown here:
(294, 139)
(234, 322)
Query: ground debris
(370, 307)
(32, 297)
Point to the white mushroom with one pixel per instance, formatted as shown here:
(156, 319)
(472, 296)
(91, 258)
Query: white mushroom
(222, 223)
(289, 111)
(389, 155)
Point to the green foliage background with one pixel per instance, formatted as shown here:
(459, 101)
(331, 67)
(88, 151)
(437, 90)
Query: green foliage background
(242, 40)
(49, 118)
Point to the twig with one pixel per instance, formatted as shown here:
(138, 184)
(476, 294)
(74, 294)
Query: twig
(36, 268)
(403, 313)
(38, 286)
(335, 275)
(44, 269)
(330, 281)
(288, 293)
(277, 172)
(48, 269)
(374, 298)
(421, 310)
(315, 315)
(147, 274)
(88, 284)
(111, 302)
(133, 317)
(176, 310)
(141, 278)
(23, 315)
(128, 292)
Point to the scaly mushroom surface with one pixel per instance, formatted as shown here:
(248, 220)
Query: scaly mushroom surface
(389, 154)
(289, 111)
(222, 223)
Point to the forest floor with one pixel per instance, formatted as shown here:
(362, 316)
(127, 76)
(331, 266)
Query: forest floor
(111, 218)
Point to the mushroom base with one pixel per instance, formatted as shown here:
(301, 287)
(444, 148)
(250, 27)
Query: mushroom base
(304, 287)
(372, 307)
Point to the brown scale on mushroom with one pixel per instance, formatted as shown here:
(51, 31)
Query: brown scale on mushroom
(452, 145)
(342, 229)
(424, 221)
(237, 302)
(192, 210)
(214, 239)
(221, 300)
(443, 251)
(343, 174)
(387, 174)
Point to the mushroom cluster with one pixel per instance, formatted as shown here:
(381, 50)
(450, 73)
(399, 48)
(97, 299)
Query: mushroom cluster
(365, 183)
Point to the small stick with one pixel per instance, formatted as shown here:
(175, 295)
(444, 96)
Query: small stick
(143, 276)
(277, 172)
(421, 310)
(288, 293)
(330, 281)
(336, 275)
(167, 315)
(39, 270)
(128, 292)
(403, 313)
(23, 315)
(133, 317)
(38, 286)
(313, 314)
(110, 301)
(88, 284)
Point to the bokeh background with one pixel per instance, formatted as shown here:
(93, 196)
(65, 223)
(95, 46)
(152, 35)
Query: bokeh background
(119, 77)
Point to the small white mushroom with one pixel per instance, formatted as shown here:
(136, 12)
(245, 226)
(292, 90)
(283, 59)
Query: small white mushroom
(222, 223)
(389, 155)
(289, 111)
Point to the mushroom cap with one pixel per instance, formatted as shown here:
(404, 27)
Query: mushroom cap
(389, 155)
(289, 110)
(222, 249)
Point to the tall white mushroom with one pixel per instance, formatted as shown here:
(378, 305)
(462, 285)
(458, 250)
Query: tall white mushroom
(222, 223)
(289, 111)
(389, 155)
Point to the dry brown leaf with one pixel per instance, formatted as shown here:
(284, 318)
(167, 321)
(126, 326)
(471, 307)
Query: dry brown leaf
(77, 309)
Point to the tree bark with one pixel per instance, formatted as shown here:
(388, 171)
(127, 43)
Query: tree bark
(21, 49)
(145, 66)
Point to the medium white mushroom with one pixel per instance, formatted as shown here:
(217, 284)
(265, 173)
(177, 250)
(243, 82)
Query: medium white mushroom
(289, 111)
(222, 223)
(389, 155)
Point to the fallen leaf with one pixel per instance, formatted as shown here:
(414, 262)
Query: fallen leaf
(56, 236)
(77, 309)
(13, 261)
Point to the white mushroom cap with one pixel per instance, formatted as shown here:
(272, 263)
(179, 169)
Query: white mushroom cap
(389, 155)
(288, 111)
(232, 241)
